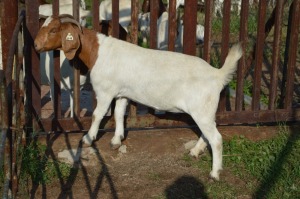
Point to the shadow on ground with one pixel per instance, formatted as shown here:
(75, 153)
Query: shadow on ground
(186, 187)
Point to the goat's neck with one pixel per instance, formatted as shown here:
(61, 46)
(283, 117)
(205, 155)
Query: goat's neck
(89, 48)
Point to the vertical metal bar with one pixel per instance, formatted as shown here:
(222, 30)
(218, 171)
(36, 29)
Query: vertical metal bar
(32, 64)
(56, 96)
(243, 38)
(95, 11)
(134, 40)
(55, 7)
(153, 23)
(9, 16)
(276, 55)
(115, 18)
(172, 25)
(225, 46)
(134, 21)
(259, 55)
(76, 90)
(292, 53)
(96, 23)
(207, 31)
(189, 31)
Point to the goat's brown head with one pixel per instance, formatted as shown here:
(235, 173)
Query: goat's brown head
(59, 33)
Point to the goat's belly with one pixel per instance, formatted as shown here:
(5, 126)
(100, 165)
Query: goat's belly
(161, 104)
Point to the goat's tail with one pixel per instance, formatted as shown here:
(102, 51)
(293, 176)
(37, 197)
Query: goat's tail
(231, 62)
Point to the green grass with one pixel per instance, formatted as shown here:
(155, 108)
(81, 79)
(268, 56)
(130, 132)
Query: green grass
(269, 168)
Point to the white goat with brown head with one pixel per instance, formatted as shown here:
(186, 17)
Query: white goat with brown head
(162, 80)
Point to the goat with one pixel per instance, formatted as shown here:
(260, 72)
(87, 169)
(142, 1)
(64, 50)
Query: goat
(162, 80)
(46, 10)
(105, 28)
(105, 12)
(199, 33)
(144, 21)
(162, 32)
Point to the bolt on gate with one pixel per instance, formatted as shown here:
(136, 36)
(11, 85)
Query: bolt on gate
(265, 89)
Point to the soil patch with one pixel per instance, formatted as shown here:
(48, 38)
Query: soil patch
(152, 167)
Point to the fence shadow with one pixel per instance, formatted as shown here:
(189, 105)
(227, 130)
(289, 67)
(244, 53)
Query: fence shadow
(67, 184)
(276, 169)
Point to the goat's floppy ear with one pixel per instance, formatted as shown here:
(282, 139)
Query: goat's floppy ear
(70, 40)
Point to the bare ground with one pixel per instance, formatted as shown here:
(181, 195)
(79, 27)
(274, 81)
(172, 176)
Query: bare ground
(152, 167)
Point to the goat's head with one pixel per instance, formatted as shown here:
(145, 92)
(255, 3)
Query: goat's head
(62, 33)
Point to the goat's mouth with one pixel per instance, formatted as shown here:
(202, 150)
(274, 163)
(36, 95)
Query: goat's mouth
(38, 48)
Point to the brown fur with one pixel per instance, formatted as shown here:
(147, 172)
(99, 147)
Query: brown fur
(83, 44)
(54, 35)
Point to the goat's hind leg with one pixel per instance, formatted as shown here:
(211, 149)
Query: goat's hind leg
(119, 113)
(211, 133)
(103, 104)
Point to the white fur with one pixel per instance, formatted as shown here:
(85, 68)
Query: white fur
(105, 12)
(46, 10)
(162, 80)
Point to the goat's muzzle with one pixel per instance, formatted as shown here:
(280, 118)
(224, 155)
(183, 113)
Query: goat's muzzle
(38, 47)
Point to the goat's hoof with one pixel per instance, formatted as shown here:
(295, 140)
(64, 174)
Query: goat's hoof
(115, 146)
(115, 142)
(214, 177)
(193, 153)
(87, 140)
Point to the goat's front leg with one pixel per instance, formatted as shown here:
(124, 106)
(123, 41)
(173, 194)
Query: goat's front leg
(103, 104)
(119, 112)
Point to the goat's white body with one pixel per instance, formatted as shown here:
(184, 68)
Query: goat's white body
(163, 80)
(105, 12)
(159, 79)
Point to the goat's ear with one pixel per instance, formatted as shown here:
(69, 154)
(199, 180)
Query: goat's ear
(70, 40)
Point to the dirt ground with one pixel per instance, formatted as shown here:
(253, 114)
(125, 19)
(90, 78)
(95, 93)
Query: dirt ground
(152, 167)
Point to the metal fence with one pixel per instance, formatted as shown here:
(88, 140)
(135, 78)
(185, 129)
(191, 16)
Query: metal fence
(266, 87)
(274, 30)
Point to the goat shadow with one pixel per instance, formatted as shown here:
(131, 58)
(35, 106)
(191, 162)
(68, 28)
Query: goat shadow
(186, 187)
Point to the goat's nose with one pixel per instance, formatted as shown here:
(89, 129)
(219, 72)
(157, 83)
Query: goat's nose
(36, 46)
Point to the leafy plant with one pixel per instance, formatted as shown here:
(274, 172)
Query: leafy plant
(37, 166)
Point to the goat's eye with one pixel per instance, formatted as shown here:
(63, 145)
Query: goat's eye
(54, 30)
